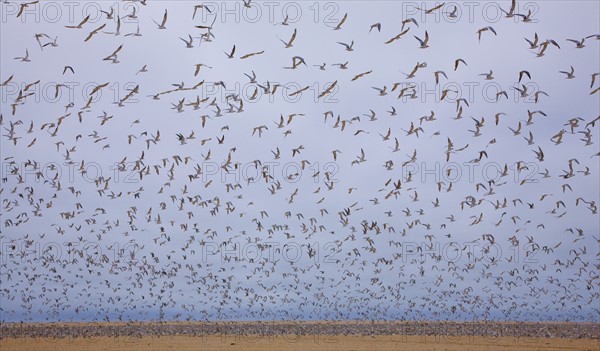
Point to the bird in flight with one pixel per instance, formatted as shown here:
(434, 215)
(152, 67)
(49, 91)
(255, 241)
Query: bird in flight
(288, 44)
(80, 25)
(423, 43)
(164, 21)
(224, 181)
(231, 54)
(485, 29)
(391, 40)
(341, 22)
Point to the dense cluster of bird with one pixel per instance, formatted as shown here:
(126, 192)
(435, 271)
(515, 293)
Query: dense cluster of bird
(307, 200)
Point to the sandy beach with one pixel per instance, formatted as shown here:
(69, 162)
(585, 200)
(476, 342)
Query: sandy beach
(293, 342)
(328, 336)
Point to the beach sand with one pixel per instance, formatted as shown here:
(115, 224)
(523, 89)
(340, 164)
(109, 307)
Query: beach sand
(239, 336)
(293, 342)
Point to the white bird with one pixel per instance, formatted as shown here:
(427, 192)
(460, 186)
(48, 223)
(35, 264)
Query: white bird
(188, 43)
(164, 21)
(571, 74)
(348, 47)
(25, 58)
(423, 42)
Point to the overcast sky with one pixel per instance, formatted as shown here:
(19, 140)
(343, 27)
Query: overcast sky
(153, 244)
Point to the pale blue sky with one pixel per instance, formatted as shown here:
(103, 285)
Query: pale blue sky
(513, 286)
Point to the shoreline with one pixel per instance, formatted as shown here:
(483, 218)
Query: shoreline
(58, 330)
(297, 343)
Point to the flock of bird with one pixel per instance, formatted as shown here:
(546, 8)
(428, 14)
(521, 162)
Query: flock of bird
(296, 201)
